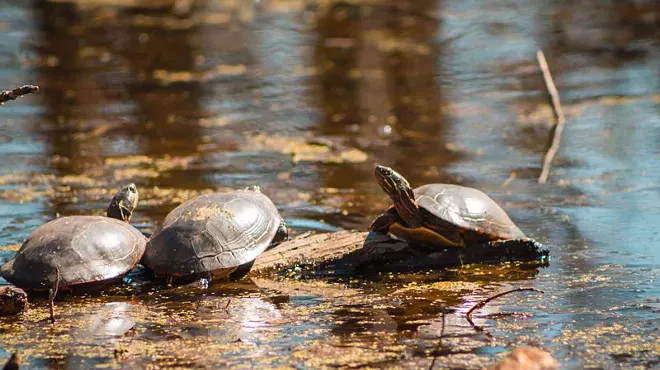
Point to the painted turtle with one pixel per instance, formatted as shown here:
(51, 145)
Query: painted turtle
(441, 214)
(79, 250)
(215, 235)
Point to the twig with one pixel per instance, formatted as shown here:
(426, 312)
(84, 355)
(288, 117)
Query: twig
(508, 180)
(482, 303)
(52, 293)
(228, 303)
(6, 96)
(559, 117)
(437, 348)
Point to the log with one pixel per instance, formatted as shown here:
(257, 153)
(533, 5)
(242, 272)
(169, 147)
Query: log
(347, 253)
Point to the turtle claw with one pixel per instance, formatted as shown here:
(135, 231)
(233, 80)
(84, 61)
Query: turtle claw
(52, 292)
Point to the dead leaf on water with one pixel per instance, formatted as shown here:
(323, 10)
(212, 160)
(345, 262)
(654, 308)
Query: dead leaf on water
(214, 122)
(10, 248)
(168, 77)
(126, 174)
(447, 286)
(129, 160)
(80, 181)
(307, 149)
(543, 114)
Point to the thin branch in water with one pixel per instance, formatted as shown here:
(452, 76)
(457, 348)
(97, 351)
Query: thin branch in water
(483, 302)
(437, 348)
(559, 117)
(508, 180)
(52, 293)
(228, 303)
(6, 96)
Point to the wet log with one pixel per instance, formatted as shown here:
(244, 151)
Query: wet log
(353, 252)
(13, 300)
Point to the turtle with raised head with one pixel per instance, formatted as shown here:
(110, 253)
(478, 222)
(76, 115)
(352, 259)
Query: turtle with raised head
(215, 236)
(441, 215)
(79, 251)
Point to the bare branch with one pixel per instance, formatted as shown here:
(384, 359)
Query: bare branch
(482, 303)
(437, 348)
(559, 117)
(6, 96)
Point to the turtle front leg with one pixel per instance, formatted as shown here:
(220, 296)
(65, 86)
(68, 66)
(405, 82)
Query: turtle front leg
(52, 292)
(281, 235)
(241, 271)
(383, 222)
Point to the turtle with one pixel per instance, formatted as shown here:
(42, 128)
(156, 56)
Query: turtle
(215, 236)
(82, 252)
(441, 215)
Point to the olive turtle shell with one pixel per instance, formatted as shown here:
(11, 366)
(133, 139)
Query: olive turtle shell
(213, 234)
(85, 249)
(467, 208)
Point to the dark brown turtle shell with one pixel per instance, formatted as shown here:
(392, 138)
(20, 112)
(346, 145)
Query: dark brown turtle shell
(85, 249)
(213, 234)
(474, 213)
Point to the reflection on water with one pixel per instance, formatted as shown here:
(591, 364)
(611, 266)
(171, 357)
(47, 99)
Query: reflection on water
(172, 94)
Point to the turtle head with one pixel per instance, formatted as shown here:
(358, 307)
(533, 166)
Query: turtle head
(399, 190)
(281, 235)
(123, 203)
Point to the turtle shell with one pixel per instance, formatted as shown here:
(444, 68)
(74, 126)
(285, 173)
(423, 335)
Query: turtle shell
(213, 234)
(85, 249)
(471, 210)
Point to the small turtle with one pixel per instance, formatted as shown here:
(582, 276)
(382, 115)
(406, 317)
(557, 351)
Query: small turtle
(79, 251)
(215, 235)
(441, 215)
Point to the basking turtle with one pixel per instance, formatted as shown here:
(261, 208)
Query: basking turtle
(215, 235)
(441, 215)
(79, 250)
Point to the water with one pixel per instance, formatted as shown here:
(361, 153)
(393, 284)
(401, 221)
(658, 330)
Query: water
(188, 97)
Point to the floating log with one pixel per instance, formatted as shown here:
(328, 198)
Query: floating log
(354, 252)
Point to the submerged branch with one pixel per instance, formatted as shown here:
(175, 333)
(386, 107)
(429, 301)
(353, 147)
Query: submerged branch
(6, 96)
(437, 348)
(482, 303)
(559, 117)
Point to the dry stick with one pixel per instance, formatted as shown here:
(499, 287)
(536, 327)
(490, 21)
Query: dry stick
(508, 180)
(482, 303)
(51, 294)
(6, 96)
(228, 303)
(559, 117)
(437, 348)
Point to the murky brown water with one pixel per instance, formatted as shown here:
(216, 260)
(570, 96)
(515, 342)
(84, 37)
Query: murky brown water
(302, 98)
